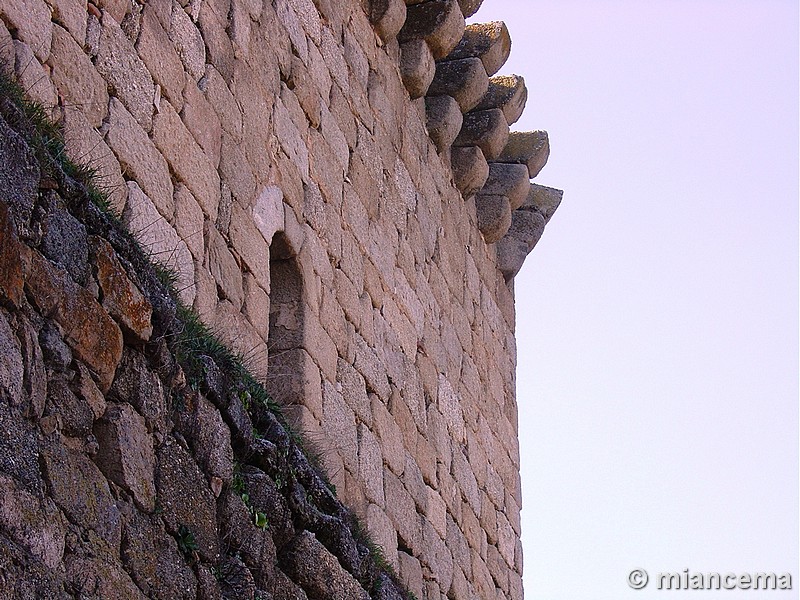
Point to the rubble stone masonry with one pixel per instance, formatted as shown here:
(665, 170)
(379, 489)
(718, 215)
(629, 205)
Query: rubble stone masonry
(336, 186)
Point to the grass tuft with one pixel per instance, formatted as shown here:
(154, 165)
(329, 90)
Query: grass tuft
(46, 139)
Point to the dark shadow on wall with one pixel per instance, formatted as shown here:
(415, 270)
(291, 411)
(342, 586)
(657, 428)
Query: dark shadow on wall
(285, 380)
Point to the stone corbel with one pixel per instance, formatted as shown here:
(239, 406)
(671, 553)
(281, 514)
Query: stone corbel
(508, 93)
(439, 22)
(490, 42)
(527, 225)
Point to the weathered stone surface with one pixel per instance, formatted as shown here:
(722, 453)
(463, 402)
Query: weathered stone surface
(411, 574)
(238, 335)
(188, 42)
(236, 416)
(368, 364)
(234, 170)
(76, 78)
(389, 590)
(31, 19)
(293, 379)
(210, 439)
(84, 386)
(506, 538)
(64, 239)
(73, 414)
(253, 544)
(189, 220)
(126, 453)
(201, 120)
(544, 200)
(486, 129)
(494, 216)
(187, 159)
(387, 17)
(390, 435)
(93, 29)
(25, 575)
(71, 479)
(34, 383)
(139, 157)
(186, 499)
(305, 88)
(86, 146)
(55, 350)
(383, 533)
(13, 257)
(157, 237)
(402, 511)
(92, 334)
(35, 79)
(257, 102)
(225, 209)
(92, 574)
(490, 42)
(465, 80)
(218, 42)
(223, 266)
(159, 55)
(509, 180)
(470, 7)
(125, 72)
(437, 556)
(11, 368)
(527, 227)
(290, 137)
(121, 298)
(283, 588)
(153, 560)
(417, 67)
(439, 22)
(33, 523)
(266, 497)
(19, 176)
(252, 249)
(136, 384)
(115, 8)
(6, 45)
(444, 120)
(19, 450)
(236, 581)
(72, 15)
(530, 148)
(256, 305)
(340, 426)
(131, 23)
(470, 169)
(370, 465)
(208, 586)
(511, 254)
(318, 572)
(508, 93)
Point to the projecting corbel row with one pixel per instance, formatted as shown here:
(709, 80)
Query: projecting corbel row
(469, 112)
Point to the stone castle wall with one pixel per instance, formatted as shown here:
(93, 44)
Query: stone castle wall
(347, 210)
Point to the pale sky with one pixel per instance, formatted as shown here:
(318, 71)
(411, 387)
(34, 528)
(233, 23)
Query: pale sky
(658, 317)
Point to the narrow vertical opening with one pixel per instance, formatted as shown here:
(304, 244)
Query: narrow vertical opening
(285, 379)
